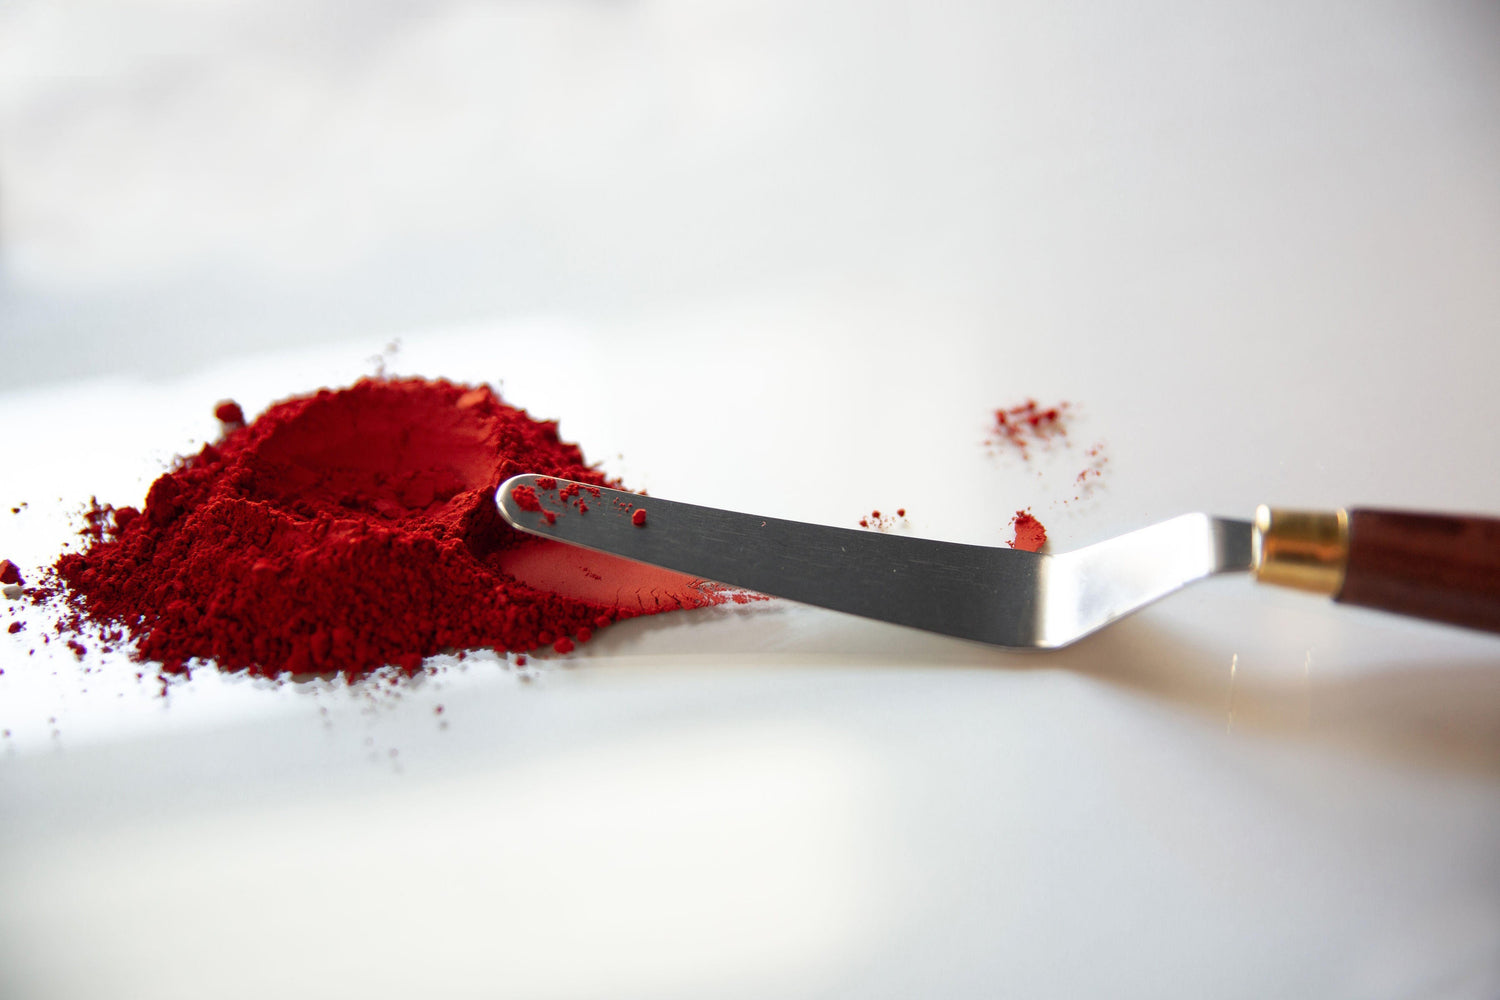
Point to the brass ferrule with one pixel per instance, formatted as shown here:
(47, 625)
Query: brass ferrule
(1305, 549)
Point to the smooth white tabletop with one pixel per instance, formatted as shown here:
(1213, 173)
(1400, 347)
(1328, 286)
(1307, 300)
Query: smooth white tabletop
(784, 258)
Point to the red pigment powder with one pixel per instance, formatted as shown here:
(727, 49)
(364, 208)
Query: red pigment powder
(877, 521)
(1030, 424)
(1029, 533)
(638, 518)
(347, 530)
(229, 412)
(9, 572)
(1089, 477)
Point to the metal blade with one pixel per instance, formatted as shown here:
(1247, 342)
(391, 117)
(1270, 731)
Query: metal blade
(969, 591)
(1000, 596)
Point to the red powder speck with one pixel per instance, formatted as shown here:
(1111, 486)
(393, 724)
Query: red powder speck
(9, 572)
(346, 530)
(229, 412)
(15, 627)
(1030, 535)
(563, 645)
(638, 518)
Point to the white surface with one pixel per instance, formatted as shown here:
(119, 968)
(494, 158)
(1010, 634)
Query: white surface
(792, 255)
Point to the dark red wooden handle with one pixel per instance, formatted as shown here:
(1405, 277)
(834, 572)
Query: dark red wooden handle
(1437, 566)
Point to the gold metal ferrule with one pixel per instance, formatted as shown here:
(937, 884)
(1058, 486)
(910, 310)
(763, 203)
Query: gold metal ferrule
(1305, 549)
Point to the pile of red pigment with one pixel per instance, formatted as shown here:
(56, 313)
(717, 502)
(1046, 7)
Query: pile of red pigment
(347, 530)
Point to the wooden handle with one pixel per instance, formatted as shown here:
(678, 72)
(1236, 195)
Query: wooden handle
(1435, 566)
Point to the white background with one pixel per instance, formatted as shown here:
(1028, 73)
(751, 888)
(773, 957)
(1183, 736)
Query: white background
(782, 257)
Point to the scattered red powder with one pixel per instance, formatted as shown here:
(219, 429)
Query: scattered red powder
(229, 412)
(1088, 479)
(9, 572)
(526, 499)
(1029, 533)
(15, 627)
(1023, 427)
(883, 522)
(347, 530)
(638, 518)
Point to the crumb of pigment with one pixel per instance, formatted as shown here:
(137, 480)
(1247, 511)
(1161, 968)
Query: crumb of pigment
(1029, 534)
(229, 412)
(10, 572)
(638, 518)
(347, 530)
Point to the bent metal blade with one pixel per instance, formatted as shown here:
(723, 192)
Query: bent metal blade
(1000, 596)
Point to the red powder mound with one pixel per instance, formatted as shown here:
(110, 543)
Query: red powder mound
(9, 572)
(1029, 533)
(348, 530)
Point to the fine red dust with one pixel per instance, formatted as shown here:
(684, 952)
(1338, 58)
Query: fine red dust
(347, 530)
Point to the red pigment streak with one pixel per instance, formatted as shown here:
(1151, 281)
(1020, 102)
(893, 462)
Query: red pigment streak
(9, 572)
(1023, 427)
(347, 530)
(638, 518)
(1029, 533)
(229, 412)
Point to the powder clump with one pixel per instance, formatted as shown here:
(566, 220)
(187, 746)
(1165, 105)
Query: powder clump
(340, 532)
(229, 412)
(1029, 535)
